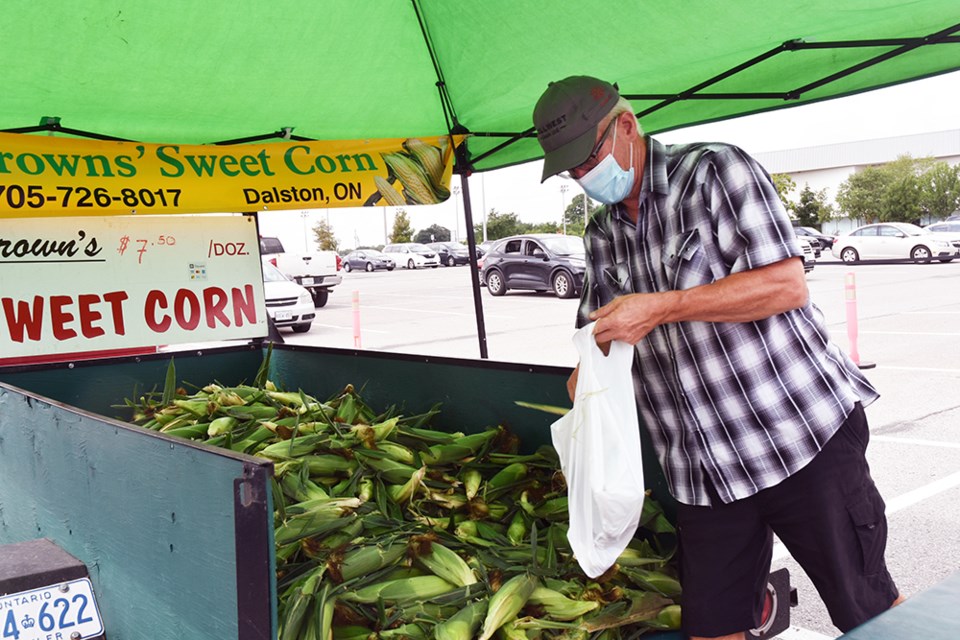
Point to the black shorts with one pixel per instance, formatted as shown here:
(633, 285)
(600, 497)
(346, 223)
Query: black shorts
(830, 517)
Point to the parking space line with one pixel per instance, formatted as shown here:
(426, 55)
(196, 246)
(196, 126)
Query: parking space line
(798, 633)
(433, 312)
(930, 369)
(920, 494)
(917, 441)
(911, 333)
(336, 326)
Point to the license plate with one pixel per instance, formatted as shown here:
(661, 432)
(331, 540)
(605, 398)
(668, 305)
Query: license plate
(55, 612)
(280, 315)
(306, 281)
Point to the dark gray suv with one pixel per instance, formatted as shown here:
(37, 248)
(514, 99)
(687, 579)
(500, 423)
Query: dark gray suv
(537, 262)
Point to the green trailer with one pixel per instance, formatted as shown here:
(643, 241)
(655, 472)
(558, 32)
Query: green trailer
(178, 536)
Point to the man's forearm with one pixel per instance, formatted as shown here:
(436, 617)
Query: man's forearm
(745, 296)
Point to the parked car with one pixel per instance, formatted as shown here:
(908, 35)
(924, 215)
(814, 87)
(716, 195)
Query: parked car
(288, 304)
(538, 262)
(412, 255)
(318, 271)
(451, 253)
(894, 240)
(810, 255)
(485, 246)
(824, 240)
(368, 260)
(948, 230)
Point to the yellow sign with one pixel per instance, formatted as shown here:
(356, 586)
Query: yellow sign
(43, 176)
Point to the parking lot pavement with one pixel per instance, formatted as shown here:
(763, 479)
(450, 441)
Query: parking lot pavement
(908, 320)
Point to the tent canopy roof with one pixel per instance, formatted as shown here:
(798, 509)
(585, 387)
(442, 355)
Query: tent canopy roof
(189, 72)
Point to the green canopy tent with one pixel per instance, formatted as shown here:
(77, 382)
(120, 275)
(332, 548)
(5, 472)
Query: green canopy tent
(220, 72)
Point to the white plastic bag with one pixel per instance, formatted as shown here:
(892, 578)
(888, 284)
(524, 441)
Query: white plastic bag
(599, 446)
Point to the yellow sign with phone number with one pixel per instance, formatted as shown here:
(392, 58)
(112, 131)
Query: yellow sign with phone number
(42, 176)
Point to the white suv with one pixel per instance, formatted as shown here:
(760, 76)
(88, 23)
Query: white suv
(412, 255)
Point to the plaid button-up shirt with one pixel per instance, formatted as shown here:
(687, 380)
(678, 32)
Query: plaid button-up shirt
(746, 403)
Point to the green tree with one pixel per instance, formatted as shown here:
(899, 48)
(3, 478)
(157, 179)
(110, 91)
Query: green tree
(324, 236)
(433, 233)
(813, 209)
(574, 214)
(899, 191)
(402, 231)
(501, 225)
(544, 227)
(860, 195)
(940, 190)
(784, 185)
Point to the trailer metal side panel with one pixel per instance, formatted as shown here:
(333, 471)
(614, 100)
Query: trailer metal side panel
(155, 519)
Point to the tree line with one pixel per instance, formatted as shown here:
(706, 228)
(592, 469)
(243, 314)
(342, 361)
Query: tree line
(905, 190)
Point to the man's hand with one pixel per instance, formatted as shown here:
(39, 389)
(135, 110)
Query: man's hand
(631, 317)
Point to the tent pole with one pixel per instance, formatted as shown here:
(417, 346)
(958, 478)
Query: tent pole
(463, 170)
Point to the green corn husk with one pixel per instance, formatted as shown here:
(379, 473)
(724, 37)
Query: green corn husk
(655, 581)
(223, 424)
(299, 606)
(311, 523)
(510, 474)
(462, 448)
(401, 591)
(559, 606)
(403, 493)
(464, 624)
(507, 602)
(365, 560)
(445, 563)
(293, 448)
(471, 482)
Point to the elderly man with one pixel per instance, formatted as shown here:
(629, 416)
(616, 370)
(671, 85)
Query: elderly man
(756, 416)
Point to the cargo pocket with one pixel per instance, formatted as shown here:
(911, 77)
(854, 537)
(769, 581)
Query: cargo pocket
(870, 524)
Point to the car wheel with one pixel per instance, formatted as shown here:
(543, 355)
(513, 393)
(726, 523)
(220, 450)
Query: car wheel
(389, 268)
(347, 267)
(920, 254)
(451, 262)
(369, 267)
(301, 328)
(849, 255)
(320, 297)
(410, 264)
(563, 285)
(495, 283)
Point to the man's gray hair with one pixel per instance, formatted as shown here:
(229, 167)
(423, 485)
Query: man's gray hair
(623, 105)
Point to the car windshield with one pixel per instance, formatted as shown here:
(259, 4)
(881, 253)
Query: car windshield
(564, 245)
(420, 248)
(910, 229)
(272, 274)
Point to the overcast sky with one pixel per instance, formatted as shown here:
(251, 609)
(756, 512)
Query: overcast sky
(916, 107)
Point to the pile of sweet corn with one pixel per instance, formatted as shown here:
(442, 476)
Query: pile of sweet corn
(386, 528)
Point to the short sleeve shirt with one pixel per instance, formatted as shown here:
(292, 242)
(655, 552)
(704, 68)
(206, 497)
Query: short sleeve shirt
(744, 404)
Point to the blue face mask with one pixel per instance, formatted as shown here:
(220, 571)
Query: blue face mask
(608, 182)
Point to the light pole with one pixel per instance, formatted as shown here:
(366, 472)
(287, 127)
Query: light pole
(303, 216)
(563, 210)
(456, 213)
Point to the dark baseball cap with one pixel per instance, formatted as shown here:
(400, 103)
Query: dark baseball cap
(566, 118)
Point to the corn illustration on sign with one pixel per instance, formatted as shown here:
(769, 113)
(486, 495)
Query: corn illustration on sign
(43, 176)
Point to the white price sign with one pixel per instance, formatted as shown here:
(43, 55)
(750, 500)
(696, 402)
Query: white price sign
(75, 285)
(58, 612)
